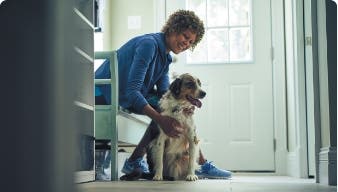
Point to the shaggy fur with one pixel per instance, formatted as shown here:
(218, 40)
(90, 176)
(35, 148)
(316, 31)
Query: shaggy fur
(176, 157)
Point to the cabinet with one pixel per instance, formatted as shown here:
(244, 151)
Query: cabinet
(46, 51)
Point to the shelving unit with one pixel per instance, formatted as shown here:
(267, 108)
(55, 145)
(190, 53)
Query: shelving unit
(83, 60)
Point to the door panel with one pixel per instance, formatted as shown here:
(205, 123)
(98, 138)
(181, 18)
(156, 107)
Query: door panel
(235, 122)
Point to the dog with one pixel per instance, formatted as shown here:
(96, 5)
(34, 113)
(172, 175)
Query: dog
(176, 158)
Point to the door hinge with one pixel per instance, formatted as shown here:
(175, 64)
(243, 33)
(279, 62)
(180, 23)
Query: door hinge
(272, 53)
(274, 144)
(308, 41)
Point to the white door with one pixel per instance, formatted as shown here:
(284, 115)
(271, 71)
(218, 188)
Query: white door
(235, 123)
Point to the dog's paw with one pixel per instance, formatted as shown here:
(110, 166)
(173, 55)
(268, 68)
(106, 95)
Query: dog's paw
(157, 178)
(192, 177)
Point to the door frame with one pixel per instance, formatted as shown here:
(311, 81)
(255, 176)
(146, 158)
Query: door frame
(297, 158)
(279, 86)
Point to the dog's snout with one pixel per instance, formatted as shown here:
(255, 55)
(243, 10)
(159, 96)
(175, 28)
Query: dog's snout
(202, 94)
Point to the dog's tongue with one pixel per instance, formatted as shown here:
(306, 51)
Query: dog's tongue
(194, 101)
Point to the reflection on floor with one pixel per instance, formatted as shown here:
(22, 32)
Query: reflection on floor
(238, 183)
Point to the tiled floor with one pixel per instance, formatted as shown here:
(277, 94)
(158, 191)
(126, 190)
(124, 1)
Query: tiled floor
(236, 184)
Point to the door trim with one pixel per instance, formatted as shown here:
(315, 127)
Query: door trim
(297, 126)
(279, 85)
(279, 74)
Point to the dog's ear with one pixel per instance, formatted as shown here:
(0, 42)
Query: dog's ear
(175, 87)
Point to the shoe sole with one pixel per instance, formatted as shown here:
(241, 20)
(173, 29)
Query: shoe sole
(212, 177)
(125, 171)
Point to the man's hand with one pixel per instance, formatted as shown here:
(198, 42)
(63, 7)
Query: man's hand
(170, 126)
(189, 111)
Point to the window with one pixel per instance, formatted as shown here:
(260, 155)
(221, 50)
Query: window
(228, 34)
(99, 6)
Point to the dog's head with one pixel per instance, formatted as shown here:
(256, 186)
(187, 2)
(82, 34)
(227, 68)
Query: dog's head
(187, 87)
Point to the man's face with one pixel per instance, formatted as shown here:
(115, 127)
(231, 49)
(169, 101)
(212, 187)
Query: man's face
(179, 42)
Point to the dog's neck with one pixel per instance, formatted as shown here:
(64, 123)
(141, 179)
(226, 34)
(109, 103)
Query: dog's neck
(186, 110)
(179, 106)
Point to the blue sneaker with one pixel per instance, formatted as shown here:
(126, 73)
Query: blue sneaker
(129, 167)
(208, 170)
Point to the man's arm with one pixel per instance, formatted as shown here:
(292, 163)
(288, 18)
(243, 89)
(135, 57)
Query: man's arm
(163, 83)
(142, 58)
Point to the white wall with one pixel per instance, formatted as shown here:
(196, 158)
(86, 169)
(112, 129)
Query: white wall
(117, 32)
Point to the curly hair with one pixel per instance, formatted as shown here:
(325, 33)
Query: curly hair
(182, 20)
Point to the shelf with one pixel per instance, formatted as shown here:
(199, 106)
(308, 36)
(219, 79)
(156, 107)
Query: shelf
(84, 54)
(84, 65)
(84, 18)
(83, 34)
(85, 117)
(86, 7)
(84, 176)
(83, 105)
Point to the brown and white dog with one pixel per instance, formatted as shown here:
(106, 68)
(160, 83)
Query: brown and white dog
(176, 157)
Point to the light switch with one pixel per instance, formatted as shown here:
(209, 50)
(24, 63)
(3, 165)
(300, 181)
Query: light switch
(134, 22)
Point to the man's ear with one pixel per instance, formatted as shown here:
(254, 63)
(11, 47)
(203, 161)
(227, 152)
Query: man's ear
(175, 87)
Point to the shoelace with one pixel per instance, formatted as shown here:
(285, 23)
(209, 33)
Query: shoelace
(208, 165)
(139, 163)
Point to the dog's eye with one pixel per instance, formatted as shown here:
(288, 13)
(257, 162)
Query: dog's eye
(199, 82)
(190, 85)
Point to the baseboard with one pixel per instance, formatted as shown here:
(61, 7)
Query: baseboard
(281, 161)
(328, 165)
(292, 165)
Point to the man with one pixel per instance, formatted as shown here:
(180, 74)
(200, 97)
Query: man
(143, 78)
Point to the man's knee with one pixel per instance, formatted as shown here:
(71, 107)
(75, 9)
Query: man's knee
(154, 130)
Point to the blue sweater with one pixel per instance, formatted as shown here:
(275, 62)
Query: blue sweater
(142, 64)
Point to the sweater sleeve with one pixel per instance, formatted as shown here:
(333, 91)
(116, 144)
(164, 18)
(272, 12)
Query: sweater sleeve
(144, 54)
(163, 83)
